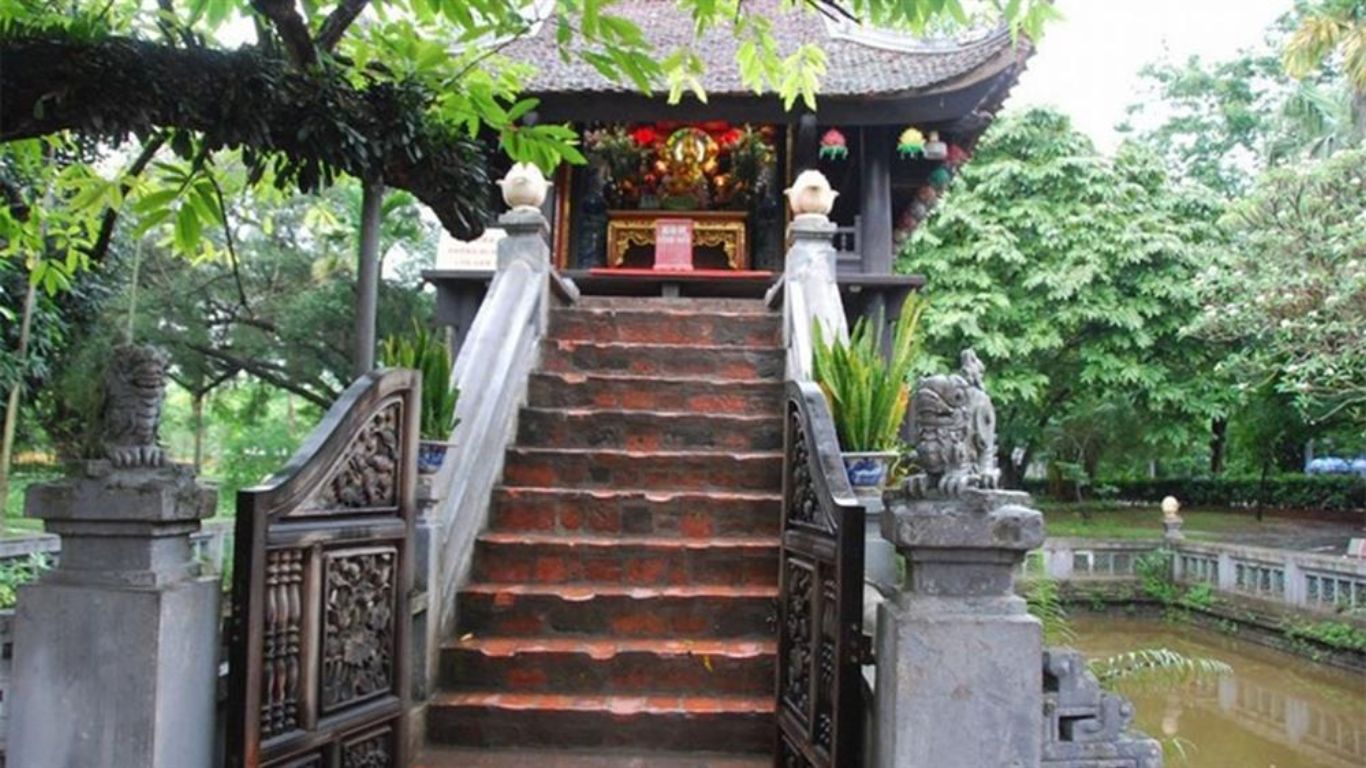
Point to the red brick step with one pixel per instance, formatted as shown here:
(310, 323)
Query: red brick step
(658, 513)
(624, 667)
(730, 723)
(502, 557)
(467, 757)
(708, 611)
(666, 325)
(673, 470)
(648, 431)
(666, 360)
(644, 393)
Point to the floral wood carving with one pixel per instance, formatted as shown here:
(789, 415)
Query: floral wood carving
(358, 625)
(805, 510)
(373, 750)
(367, 476)
(797, 620)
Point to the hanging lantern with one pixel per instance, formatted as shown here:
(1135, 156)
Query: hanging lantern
(956, 156)
(934, 148)
(940, 177)
(834, 146)
(910, 143)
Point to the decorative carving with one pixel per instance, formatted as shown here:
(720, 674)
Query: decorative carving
(797, 634)
(804, 508)
(358, 625)
(1085, 726)
(725, 230)
(792, 757)
(367, 476)
(373, 750)
(283, 627)
(954, 425)
(823, 732)
(135, 385)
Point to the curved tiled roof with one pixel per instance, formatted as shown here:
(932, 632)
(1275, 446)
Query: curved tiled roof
(855, 67)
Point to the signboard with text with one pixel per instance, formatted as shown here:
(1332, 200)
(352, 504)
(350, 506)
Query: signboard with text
(673, 245)
(479, 254)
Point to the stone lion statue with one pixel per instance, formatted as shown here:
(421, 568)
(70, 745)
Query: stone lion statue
(953, 424)
(135, 385)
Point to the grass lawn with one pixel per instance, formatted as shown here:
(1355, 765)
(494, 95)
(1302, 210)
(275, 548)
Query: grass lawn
(1142, 522)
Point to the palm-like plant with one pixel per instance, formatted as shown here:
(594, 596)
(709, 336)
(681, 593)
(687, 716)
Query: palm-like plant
(867, 391)
(1330, 26)
(425, 353)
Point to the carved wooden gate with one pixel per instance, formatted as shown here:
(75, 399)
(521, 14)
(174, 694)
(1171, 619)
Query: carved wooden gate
(320, 623)
(820, 604)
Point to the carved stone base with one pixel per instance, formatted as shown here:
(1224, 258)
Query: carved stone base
(1084, 726)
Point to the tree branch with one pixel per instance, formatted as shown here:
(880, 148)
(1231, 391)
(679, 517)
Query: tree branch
(292, 28)
(111, 215)
(264, 373)
(338, 22)
(313, 124)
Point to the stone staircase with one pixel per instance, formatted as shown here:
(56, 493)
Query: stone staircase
(621, 607)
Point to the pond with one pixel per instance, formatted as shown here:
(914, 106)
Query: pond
(1274, 711)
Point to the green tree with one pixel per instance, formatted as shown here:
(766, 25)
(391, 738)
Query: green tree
(1072, 276)
(1328, 29)
(1293, 296)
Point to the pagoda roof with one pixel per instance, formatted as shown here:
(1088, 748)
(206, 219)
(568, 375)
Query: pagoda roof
(865, 67)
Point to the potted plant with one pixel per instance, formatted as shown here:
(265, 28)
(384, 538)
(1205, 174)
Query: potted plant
(425, 353)
(868, 391)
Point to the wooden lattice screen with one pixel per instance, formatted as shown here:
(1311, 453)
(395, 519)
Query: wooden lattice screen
(820, 604)
(319, 633)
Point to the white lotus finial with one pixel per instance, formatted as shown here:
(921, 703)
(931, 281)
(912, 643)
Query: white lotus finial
(811, 194)
(1170, 507)
(524, 186)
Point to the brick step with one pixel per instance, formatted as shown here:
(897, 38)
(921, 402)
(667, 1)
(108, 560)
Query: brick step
(647, 470)
(666, 325)
(732, 723)
(624, 667)
(645, 393)
(711, 611)
(686, 303)
(475, 757)
(647, 430)
(656, 513)
(669, 360)
(638, 561)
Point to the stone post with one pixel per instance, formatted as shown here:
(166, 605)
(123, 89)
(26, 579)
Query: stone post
(958, 653)
(116, 650)
(1171, 520)
(958, 677)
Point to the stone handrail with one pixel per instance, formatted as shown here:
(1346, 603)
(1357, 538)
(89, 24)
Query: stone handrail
(810, 292)
(1305, 580)
(492, 371)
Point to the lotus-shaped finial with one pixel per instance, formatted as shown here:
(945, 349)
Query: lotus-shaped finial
(811, 194)
(524, 186)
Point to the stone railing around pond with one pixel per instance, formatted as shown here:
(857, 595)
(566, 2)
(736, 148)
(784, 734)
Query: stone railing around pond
(1303, 580)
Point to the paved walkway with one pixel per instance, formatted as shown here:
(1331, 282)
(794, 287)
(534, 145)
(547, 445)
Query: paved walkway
(1322, 536)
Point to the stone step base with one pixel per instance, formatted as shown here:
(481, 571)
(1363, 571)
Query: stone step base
(646, 470)
(665, 360)
(466, 757)
(654, 394)
(619, 612)
(707, 723)
(637, 561)
(648, 324)
(647, 430)
(690, 514)
(625, 667)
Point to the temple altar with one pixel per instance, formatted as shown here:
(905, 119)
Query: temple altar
(632, 234)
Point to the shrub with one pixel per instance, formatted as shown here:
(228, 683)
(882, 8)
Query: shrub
(1336, 493)
(425, 353)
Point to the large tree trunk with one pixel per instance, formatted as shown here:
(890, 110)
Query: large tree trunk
(1218, 445)
(367, 278)
(12, 400)
(116, 86)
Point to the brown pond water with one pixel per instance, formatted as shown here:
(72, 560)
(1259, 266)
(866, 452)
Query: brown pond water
(1274, 711)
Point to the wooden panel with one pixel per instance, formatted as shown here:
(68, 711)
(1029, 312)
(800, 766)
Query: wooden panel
(820, 641)
(319, 632)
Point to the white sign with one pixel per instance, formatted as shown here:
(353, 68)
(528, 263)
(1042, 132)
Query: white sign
(480, 253)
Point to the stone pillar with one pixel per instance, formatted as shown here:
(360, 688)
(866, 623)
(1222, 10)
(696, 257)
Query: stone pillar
(116, 650)
(958, 680)
(1171, 520)
(875, 242)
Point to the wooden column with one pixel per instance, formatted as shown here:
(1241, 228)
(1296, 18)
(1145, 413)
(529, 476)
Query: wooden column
(806, 143)
(875, 172)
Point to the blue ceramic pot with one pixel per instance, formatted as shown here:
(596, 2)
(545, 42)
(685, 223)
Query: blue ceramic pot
(429, 456)
(868, 471)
